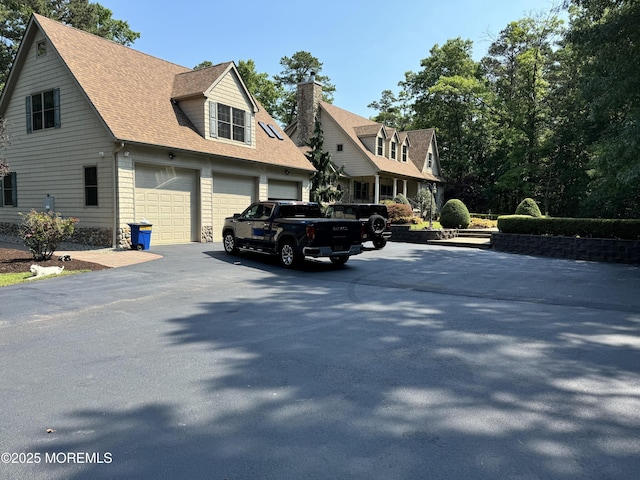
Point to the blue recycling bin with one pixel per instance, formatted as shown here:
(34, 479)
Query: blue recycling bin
(140, 235)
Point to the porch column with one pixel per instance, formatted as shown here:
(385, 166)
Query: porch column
(404, 187)
(376, 195)
(395, 187)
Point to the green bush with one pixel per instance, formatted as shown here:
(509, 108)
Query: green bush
(528, 206)
(570, 227)
(399, 213)
(454, 214)
(400, 198)
(43, 232)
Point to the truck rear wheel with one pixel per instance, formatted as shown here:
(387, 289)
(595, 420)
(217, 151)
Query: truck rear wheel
(379, 242)
(339, 259)
(288, 255)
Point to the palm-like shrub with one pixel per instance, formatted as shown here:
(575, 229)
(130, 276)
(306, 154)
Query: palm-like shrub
(454, 214)
(528, 206)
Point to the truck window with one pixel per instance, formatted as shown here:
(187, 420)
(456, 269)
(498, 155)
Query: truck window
(300, 211)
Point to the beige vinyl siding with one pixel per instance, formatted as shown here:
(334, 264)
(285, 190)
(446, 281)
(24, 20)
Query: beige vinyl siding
(354, 160)
(194, 108)
(229, 91)
(51, 161)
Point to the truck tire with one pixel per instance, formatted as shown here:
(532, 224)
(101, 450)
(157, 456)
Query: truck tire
(339, 259)
(288, 254)
(379, 242)
(377, 224)
(229, 243)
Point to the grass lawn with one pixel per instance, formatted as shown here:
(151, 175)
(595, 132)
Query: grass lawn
(13, 278)
(423, 225)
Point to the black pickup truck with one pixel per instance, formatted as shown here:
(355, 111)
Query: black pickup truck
(292, 230)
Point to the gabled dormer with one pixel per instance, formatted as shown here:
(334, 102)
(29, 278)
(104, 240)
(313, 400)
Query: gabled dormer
(373, 137)
(405, 146)
(217, 102)
(392, 144)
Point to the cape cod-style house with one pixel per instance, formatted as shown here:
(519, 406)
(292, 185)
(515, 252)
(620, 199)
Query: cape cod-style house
(379, 162)
(111, 136)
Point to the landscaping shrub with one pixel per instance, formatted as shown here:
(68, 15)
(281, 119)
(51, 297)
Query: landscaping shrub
(528, 206)
(400, 198)
(43, 232)
(570, 227)
(454, 214)
(400, 213)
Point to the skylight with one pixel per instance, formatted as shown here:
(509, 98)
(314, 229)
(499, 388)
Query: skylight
(275, 132)
(266, 129)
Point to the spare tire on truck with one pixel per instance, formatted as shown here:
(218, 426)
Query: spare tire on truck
(377, 224)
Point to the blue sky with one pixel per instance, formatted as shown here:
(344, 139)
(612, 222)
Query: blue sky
(365, 46)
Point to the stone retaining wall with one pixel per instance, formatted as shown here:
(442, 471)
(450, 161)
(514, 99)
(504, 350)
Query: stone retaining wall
(403, 233)
(94, 237)
(593, 249)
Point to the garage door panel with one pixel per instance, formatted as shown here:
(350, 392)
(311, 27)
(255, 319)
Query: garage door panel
(283, 190)
(158, 191)
(231, 194)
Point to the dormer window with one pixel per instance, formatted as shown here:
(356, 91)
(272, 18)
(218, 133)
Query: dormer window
(393, 150)
(230, 123)
(430, 160)
(380, 146)
(404, 153)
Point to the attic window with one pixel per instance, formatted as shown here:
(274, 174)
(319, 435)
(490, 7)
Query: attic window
(430, 159)
(404, 153)
(339, 147)
(41, 49)
(393, 150)
(380, 146)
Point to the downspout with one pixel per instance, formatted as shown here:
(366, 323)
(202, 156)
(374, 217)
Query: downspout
(116, 198)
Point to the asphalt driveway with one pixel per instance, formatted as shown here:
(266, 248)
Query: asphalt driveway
(410, 362)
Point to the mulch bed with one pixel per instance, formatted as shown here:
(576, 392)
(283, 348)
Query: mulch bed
(19, 261)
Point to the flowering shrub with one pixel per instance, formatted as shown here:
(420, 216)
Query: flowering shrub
(43, 232)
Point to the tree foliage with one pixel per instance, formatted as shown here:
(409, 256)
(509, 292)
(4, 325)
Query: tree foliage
(81, 14)
(297, 69)
(4, 143)
(261, 87)
(550, 112)
(324, 181)
(606, 38)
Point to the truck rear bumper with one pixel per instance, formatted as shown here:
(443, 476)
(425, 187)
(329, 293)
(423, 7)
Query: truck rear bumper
(329, 252)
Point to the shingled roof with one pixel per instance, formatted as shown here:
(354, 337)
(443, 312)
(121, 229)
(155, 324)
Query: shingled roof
(355, 126)
(133, 94)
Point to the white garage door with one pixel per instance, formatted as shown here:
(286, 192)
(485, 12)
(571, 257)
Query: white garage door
(282, 190)
(231, 194)
(166, 197)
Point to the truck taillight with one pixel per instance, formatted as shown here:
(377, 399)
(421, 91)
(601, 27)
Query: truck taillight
(311, 232)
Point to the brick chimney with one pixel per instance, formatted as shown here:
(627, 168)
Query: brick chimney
(309, 96)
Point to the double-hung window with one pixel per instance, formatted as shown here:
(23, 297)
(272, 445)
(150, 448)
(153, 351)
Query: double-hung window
(229, 122)
(43, 110)
(380, 146)
(393, 150)
(9, 190)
